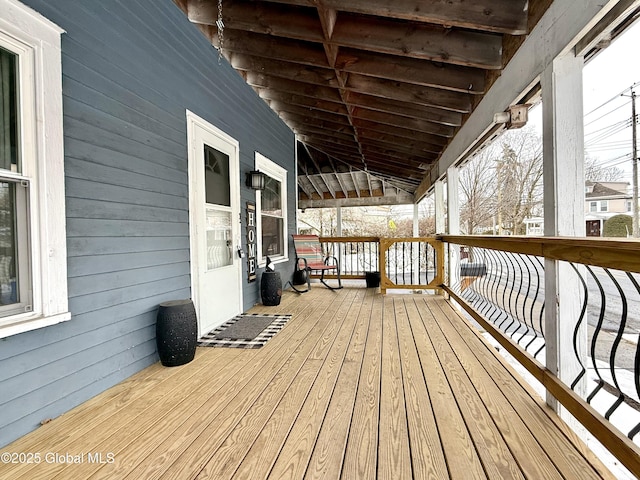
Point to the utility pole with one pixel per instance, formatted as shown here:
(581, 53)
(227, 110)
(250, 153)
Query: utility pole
(634, 153)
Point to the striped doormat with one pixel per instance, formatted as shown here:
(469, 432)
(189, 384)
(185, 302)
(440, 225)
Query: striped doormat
(244, 323)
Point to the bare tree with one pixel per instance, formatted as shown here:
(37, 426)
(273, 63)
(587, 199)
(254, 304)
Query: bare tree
(478, 190)
(595, 172)
(520, 178)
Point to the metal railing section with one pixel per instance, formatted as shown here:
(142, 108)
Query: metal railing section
(500, 282)
(357, 255)
(508, 290)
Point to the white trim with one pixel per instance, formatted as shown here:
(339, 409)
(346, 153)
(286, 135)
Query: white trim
(36, 40)
(277, 172)
(196, 257)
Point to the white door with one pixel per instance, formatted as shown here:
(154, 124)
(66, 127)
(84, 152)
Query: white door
(214, 217)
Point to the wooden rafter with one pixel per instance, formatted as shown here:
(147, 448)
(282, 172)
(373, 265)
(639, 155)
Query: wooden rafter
(379, 85)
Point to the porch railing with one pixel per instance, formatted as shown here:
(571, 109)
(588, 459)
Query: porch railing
(409, 263)
(500, 282)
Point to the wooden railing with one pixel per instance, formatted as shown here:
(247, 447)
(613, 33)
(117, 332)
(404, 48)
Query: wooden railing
(606, 285)
(410, 263)
(356, 255)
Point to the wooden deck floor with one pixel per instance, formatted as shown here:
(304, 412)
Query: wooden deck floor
(356, 386)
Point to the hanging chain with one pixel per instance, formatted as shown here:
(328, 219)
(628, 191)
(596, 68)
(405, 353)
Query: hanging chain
(220, 25)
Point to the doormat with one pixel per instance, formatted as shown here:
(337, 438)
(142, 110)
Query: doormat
(245, 331)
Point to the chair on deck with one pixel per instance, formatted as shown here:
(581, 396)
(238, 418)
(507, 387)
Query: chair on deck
(309, 257)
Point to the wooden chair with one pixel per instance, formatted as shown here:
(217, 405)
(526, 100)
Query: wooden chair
(309, 257)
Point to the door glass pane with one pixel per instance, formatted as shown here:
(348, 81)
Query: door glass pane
(216, 177)
(219, 239)
(8, 245)
(8, 112)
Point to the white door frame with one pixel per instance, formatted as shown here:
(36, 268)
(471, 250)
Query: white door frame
(196, 256)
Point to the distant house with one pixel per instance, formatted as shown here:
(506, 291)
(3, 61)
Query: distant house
(603, 200)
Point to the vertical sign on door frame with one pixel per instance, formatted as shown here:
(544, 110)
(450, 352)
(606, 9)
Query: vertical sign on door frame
(252, 242)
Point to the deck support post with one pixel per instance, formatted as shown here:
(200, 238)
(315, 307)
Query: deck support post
(339, 233)
(416, 233)
(453, 223)
(438, 193)
(563, 152)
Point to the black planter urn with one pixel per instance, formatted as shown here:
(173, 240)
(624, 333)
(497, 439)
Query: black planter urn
(372, 279)
(176, 332)
(271, 288)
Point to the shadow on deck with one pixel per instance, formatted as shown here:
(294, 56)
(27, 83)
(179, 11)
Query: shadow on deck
(357, 385)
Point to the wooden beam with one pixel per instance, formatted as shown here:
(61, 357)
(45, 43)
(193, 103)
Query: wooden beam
(300, 23)
(473, 49)
(502, 16)
(290, 86)
(278, 48)
(406, 92)
(411, 110)
(410, 70)
(423, 126)
(413, 144)
(303, 101)
(281, 68)
(402, 132)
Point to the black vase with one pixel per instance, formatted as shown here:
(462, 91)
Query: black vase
(372, 279)
(271, 288)
(176, 332)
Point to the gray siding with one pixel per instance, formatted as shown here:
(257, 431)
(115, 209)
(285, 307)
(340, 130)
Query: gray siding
(130, 71)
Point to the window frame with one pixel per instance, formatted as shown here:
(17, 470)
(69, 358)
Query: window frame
(275, 171)
(37, 43)
(604, 206)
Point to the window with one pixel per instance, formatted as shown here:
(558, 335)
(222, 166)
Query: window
(33, 273)
(629, 205)
(604, 205)
(271, 206)
(593, 207)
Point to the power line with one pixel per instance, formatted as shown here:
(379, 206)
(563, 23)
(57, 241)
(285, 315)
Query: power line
(612, 98)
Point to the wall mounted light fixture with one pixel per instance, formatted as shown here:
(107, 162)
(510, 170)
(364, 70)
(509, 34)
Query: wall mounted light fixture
(255, 180)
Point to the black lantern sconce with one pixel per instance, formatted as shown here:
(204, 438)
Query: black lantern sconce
(255, 180)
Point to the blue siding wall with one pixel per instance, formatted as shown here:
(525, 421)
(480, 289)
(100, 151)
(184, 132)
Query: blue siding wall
(130, 71)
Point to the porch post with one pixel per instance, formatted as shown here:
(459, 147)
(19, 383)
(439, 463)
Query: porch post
(339, 233)
(438, 190)
(416, 233)
(563, 151)
(453, 223)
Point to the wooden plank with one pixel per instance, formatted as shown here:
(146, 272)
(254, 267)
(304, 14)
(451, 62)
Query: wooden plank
(328, 453)
(522, 422)
(394, 458)
(293, 459)
(93, 422)
(427, 456)
(361, 456)
(532, 459)
(233, 450)
(194, 444)
(462, 458)
(626, 451)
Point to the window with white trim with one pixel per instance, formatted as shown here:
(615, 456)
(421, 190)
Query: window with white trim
(604, 205)
(271, 206)
(33, 260)
(593, 206)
